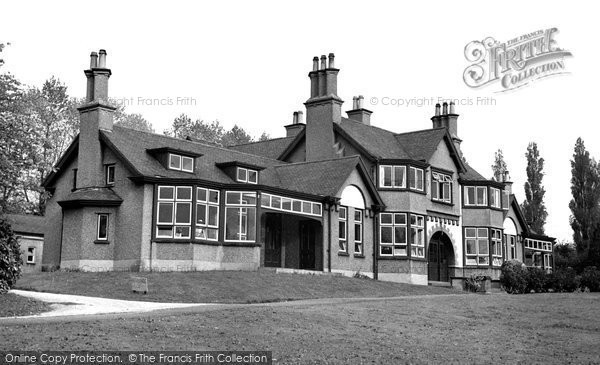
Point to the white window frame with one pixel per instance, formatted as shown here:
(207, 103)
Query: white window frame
(247, 178)
(393, 170)
(440, 179)
(207, 204)
(396, 246)
(495, 198)
(476, 191)
(243, 211)
(268, 201)
(98, 238)
(475, 256)
(181, 158)
(174, 202)
(114, 171)
(343, 220)
(30, 257)
(496, 243)
(413, 172)
(420, 230)
(358, 223)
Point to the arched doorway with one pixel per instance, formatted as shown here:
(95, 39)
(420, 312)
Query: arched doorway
(440, 257)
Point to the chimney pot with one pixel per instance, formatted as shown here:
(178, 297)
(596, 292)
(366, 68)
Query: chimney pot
(354, 102)
(331, 60)
(93, 60)
(360, 101)
(452, 107)
(295, 118)
(102, 59)
(300, 117)
(323, 62)
(437, 109)
(315, 63)
(445, 108)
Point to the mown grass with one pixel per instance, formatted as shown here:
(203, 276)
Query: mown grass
(12, 305)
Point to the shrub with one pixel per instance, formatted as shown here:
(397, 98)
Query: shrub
(536, 280)
(565, 280)
(475, 283)
(10, 257)
(590, 278)
(513, 277)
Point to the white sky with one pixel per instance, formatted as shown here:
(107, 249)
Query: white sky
(246, 62)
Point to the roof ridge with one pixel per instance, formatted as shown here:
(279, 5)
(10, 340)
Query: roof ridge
(370, 126)
(199, 143)
(268, 140)
(420, 130)
(317, 161)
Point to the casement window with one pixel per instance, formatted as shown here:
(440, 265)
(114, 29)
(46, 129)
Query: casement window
(181, 163)
(358, 231)
(247, 175)
(102, 228)
(505, 199)
(30, 255)
(441, 187)
(538, 245)
(496, 247)
(417, 234)
(290, 205)
(392, 176)
(240, 216)
(415, 178)
(477, 246)
(512, 244)
(547, 262)
(392, 234)
(110, 174)
(475, 195)
(207, 214)
(495, 201)
(343, 229)
(174, 212)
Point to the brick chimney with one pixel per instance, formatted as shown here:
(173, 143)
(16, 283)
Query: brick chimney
(94, 115)
(448, 118)
(323, 108)
(297, 125)
(358, 112)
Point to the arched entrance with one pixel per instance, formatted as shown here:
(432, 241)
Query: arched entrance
(440, 257)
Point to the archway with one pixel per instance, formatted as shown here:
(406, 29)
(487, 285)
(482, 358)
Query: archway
(440, 257)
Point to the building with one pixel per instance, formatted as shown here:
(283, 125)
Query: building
(336, 194)
(29, 230)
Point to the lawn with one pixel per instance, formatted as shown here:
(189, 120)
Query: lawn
(14, 305)
(497, 328)
(219, 286)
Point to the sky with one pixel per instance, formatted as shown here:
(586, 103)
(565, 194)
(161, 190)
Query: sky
(247, 63)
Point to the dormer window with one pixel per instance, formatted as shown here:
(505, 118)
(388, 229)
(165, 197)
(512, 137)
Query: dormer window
(181, 163)
(245, 175)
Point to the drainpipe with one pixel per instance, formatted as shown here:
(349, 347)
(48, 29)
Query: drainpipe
(375, 246)
(329, 201)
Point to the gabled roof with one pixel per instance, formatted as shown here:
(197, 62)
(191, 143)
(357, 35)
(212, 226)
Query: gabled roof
(27, 224)
(272, 148)
(379, 143)
(421, 145)
(471, 174)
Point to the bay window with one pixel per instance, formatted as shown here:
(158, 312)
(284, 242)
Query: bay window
(343, 229)
(207, 214)
(441, 187)
(392, 234)
(174, 212)
(392, 176)
(495, 198)
(240, 216)
(358, 231)
(477, 246)
(475, 195)
(415, 178)
(417, 233)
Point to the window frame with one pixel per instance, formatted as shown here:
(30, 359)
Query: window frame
(395, 246)
(477, 255)
(207, 204)
(247, 172)
(30, 254)
(496, 246)
(476, 190)
(495, 198)
(181, 158)
(243, 209)
(441, 180)
(98, 222)
(421, 232)
(107, 170)
(343, 241)
(414, 180)
(392, 176)
(358, 242)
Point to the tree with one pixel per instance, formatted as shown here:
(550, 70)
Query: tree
(264, 137)
(533, 207)
(585, 212)
(134, 121)
(499, 167)
(10, 257)
(235, 136)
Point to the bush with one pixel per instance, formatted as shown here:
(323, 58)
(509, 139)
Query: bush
(475, 283)
(513, 277)
(590, 278)
(536, 280)
(565, 280)
(10, 257)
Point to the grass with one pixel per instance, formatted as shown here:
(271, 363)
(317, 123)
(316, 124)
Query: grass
(497, 328)
(218, 286)
(12, 305)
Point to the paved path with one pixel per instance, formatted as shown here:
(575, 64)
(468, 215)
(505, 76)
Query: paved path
(73, 305)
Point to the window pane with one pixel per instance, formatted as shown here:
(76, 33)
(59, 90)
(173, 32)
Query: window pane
(357, 232)
(164, 232)
(386, 176)
(187, 164)
(316, 209)
(184, 193)
(212, 233)
(249, 198)
(201, 194)
(242, 174)
(357, 215)
(165, 213)
(213, 215)
(110, 174)
(166, 192)
(399, 218)
(297, 205)
(386, 250)
(435, 190)
(200, 233)
(232, 224)
(482, 232)
(446, 192)
(342, 230)
(386, 235)
(265, 200)
(342, 213)
(250, 228)
(182, 232)
(232, 197)
(470, 232)
(102, 226)
(306, 207)
(386, 218)
(182, 213)
(483, 247)
(175, 162)
(400, 234)
(419, 177)
(470, 195)
(471, 247)
(213, 196)
(481, 195)
(201, 214)
(276, 202)
(252, 176)
(399, 176)
(286, 204)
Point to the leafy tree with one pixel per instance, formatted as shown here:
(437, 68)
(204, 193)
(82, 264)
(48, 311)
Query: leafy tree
(264, 137)
(10, 257)
(236, 136)
(533, 207)
(499, 167)
(134, 121)
(585, 212)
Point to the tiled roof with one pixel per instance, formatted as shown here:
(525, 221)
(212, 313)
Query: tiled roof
(421, 145)
(380, 143)
(27, 223)
(272, 148)
(96, 194)
(471, 174)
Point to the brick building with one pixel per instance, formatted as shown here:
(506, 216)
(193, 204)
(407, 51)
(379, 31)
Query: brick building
(336, 194)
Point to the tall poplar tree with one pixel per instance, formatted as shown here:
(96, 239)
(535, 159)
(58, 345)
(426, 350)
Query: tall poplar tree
(533, 207)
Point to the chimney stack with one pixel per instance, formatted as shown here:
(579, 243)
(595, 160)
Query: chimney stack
(94, 115)
(297, 125)
(449, 119)
(359, 113)
(323, 108)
